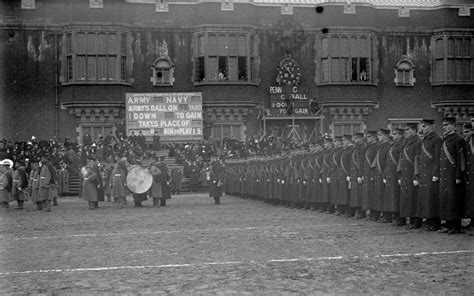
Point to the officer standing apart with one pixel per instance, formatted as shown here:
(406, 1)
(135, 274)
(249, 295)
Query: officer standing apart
(453, 168)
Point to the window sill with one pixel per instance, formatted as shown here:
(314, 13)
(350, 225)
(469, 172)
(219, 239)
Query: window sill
(225, 82)
(452, 83)
(348, 83)
(96, 83)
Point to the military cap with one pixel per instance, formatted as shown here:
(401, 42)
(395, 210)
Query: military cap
(358, 135)
(467, 126)
(398, 130)
(327, 139)
(91, 156)
(412, 125)
(385, 131)
(428, 121)
(348, 137)
(449, 119)
(371, 133)
(338, 138)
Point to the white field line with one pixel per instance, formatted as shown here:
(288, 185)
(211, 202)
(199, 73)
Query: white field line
(164, 232)
(204, 264)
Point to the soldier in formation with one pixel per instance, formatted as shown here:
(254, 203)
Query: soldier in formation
(389, 176)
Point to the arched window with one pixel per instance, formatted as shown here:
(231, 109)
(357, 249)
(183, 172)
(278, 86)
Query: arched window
(163, 72)
(404, 72)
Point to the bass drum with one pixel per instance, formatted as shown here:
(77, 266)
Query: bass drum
(139, 179)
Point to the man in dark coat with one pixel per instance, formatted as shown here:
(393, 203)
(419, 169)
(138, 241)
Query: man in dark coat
(216, 170)
(428, 176)
(325, 178)
(391, 203)
(345, 182)
(469, 200)
(357, 170)
(453, 168)
(368, 189)
(380, 180)
(337, 179)
(165, 181)
(408, 167)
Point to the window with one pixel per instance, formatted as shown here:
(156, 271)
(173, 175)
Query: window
(225, 58)
(345, 59)
(96, 57)
(163, 72)
(453, 59)
(404, 72)
(401, 122)
(346, 128)
(219, 131)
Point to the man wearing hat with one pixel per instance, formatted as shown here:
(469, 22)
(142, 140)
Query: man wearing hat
(357, 171)
(391, 205)
(345, 180)
(368, 197)
(469, 200)
(325, 179)
(428, 176)
(453, 169)
(383, 147)
(336, 176)
(408, 170)
(6, 182)
(47, 177)
(20, 183)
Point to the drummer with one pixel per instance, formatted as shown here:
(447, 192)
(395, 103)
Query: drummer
(138, 198)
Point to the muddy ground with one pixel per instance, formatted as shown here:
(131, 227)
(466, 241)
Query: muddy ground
(242, 247)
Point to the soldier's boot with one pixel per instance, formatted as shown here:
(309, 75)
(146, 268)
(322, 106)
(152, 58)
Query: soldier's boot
(109, 198)
(6, 205)
(330, 209)
(156, 202)
(55, 201)
(162, 202)
(20, 205)
(138, 204)
(96, 204)
(217, 200)
(121, 202)
(91, 205)
(39, 205)
(47, 205)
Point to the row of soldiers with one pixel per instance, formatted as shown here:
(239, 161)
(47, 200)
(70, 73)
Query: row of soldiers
(385, 175)
(42, 184)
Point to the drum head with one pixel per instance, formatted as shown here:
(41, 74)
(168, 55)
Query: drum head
(139, 179)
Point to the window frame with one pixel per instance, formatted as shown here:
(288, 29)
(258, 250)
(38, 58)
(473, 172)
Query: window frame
(350, 123)
(408, 72)
(443, 60)
(119, 60)
(324, 53)
(169, 72)
(203, 57)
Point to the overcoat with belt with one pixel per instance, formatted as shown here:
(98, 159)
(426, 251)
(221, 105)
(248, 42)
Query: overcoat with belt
(428, 191)
(408, 163)
(453, 165)
(392, 188)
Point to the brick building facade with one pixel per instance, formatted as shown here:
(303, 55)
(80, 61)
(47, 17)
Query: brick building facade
(66, 65)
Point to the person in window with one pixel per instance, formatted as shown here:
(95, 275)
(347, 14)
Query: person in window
(221, 74)
(86, 140)
(363, 75)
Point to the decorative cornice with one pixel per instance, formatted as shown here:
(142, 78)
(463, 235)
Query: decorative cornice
(458, 109)
(346, 110)
(103, 112)
(222, 111)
